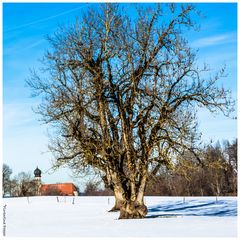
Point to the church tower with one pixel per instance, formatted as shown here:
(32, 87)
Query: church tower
(37, 176)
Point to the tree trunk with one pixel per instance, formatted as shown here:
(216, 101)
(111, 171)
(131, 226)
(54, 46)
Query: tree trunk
(129, 197)
(118, 202)
(129, 208)
(133, 209)
(119, 195)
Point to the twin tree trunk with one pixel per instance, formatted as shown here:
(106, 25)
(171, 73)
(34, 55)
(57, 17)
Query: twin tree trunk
(130, 202)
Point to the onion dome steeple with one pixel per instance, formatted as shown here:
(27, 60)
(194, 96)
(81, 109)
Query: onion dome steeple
(37, 173)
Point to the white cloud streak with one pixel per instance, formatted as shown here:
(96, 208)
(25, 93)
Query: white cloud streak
(44, 19)
(214, 40)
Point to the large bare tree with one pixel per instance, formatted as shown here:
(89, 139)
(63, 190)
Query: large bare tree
(122, 92)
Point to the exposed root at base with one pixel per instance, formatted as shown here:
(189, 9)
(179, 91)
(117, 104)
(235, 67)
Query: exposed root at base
(114, 209)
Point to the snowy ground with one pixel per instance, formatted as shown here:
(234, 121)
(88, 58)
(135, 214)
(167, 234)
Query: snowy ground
(88, 217)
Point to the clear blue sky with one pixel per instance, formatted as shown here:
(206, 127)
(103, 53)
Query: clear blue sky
(25, 26)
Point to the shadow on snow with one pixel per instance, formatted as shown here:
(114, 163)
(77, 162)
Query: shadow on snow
(219, 208)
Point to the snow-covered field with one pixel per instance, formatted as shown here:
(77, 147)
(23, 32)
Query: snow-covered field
(89, 217)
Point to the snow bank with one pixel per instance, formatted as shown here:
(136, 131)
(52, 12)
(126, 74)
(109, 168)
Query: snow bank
(89, 217)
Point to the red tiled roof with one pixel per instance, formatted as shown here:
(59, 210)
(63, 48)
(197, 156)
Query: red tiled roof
(66, 189)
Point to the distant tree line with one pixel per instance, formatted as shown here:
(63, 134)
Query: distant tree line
(214, 175)
(92, 189)
(23, 184)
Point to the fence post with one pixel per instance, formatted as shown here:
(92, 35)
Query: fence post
(57, 199)
(73, 201)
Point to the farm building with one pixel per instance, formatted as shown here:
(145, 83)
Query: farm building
(62, 189)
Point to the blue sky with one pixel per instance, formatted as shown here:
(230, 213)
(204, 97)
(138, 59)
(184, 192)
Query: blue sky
(25, 26)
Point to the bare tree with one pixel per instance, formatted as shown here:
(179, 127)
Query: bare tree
(24, 185)
(230, 151)
(6, 181)
(122, 93)
(91, 189)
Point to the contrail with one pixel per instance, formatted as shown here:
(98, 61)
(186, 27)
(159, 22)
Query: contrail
(44, 19)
